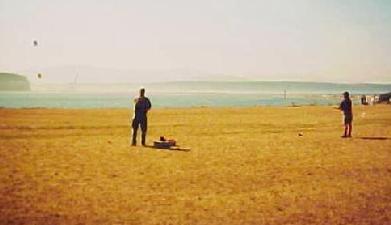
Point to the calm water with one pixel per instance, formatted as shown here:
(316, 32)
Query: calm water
(188, 94)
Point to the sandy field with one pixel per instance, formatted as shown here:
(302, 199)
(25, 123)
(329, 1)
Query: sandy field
(235, 166)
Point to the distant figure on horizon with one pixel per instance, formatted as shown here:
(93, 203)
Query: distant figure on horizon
(364, 100)
(141, 107)
(346, 107)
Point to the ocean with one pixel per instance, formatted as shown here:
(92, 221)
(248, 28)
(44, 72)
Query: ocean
(188, 94)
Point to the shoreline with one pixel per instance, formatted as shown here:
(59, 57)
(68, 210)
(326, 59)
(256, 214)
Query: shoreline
(80, 100)
(196, 107)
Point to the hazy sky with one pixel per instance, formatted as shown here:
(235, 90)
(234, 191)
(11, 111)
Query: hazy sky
(311, 40)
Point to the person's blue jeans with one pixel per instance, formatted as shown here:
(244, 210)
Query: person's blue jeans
(143, 124)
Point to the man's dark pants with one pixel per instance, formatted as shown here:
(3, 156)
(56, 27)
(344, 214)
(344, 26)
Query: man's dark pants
(143, 123)
(348, 119)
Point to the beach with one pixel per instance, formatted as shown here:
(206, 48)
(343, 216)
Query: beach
(243, 165)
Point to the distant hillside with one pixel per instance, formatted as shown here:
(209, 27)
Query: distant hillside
(13, 82)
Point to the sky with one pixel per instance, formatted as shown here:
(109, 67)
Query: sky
(304, 40)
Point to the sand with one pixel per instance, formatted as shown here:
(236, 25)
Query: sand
(245, 166)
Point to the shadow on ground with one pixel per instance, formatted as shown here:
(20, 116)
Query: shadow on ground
(175, 148)
(375, 138)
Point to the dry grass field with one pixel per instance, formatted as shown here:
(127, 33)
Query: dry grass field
(245, 166)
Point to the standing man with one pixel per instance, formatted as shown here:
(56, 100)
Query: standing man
(141, 107)
(346, 107)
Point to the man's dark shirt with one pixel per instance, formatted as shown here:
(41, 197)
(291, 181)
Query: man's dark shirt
(141, 107)
(346, 107)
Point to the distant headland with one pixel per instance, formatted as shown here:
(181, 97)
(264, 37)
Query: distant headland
(13, 82)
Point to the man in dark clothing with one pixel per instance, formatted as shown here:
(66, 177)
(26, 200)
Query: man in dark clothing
(346, 107)
(141, 107)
